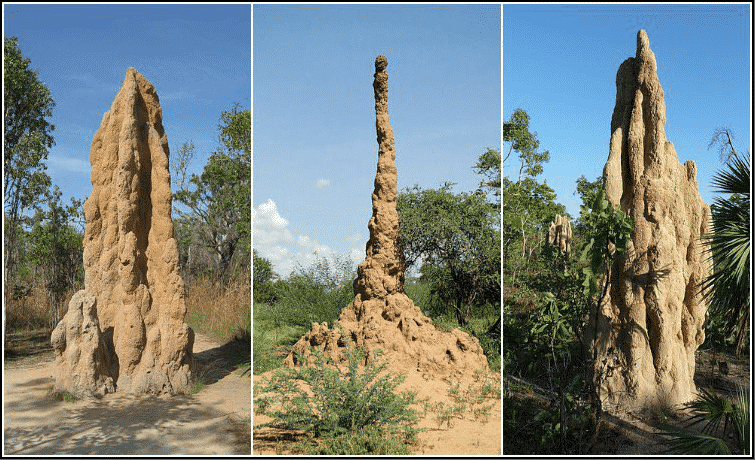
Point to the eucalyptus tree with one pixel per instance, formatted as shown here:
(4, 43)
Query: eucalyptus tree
(27, 137)
(219, 200)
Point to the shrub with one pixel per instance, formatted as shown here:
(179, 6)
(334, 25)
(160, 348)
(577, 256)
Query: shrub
(317, 293)
(337, 404)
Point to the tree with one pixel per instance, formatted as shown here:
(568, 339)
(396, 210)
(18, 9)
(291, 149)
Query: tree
(220, 204)
(56, 248)
(27, 137)
(489, 166)
(516, 131)
(455, 238)
(528, 205)
(728, 285)
(180, 164)
(587, 191)
(262, 277)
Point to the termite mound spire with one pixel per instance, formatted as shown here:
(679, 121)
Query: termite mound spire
(381, 316)
(125, 330)
(645, 331)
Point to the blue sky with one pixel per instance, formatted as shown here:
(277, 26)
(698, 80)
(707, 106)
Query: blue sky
(560, 64)
(197, 56)
(315, 151)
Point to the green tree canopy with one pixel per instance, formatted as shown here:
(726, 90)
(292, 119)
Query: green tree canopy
(489, 166)
(454, 236)
(220, 202)
(528, 205)
(55, 246)
(516, 131)
(27, 137)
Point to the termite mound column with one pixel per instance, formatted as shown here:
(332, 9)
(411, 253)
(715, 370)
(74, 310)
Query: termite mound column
(381, 316)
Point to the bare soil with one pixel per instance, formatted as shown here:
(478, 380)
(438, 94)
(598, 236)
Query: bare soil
(216, 420)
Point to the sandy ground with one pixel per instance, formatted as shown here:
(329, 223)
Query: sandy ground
(466, 436)
(210, 422)
(636, 434)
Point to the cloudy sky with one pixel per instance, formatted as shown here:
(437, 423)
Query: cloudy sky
(315, 148)
(197, 56)
(566, 81)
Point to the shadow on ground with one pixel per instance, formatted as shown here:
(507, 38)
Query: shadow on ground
(218, 362)
(120, 424)
(24, 345)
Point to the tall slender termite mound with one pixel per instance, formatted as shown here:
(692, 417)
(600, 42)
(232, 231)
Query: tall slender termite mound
(381, 316)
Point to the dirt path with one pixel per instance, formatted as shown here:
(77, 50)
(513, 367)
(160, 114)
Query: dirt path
(467, 434)
(213, 421)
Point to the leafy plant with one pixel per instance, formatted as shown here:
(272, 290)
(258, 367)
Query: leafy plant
(371, 440)
(471, 398)
(316, 293)
(712, 409)
(27, 138)
(219, 206)
(454, 236)
(263, 277)
(609, 231)
(728, 286)
(338, 403)
(55, 246)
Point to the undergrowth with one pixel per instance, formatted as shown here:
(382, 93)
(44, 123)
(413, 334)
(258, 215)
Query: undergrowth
(220, 312)
(347, 410)
(478, 399)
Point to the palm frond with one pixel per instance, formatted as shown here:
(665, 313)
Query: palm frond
(736, 179)
(741, 419)
(727, 288)
(712, 408)
(686, 443)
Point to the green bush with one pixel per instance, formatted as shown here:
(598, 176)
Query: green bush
(419, 291)
(317, 293)
(341, 403)
(372, 440)
(712, 408)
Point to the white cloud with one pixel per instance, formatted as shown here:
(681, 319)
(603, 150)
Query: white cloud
(322, 183)
(271, 235)
(267, 214)
(356, 255)
(275, 242)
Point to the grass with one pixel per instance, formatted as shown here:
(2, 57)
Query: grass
(63, 396)
(30, 312)
(478, 398)
(220, 312)
(272, 339)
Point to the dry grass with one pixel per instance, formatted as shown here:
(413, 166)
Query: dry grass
(30, 311)
(221, 312)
